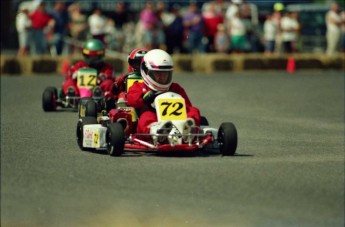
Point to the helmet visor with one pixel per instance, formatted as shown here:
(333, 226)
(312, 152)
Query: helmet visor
(135, 63)
(93, 59)
(161, 77)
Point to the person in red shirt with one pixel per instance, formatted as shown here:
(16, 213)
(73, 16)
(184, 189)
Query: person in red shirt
(211, 21)
(41, 22)
(156, 70)
(93, 53)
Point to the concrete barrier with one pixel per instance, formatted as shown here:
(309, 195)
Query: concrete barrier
(208, 63)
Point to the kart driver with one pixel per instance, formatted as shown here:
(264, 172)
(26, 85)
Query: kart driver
(93, 53)
(156, 70)
(134, 60)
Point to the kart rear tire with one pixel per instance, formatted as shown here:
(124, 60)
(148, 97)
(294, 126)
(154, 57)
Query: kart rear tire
(227, 139)
(91, 109)
(49, 97)
(79, 132)
(115, 138)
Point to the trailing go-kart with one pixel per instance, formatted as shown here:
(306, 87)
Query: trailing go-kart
(116, 133)
(88, 89)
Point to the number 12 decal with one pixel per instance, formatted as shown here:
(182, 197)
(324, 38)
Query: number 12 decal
(90, 81)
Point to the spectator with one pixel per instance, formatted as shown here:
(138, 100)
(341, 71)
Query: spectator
(221, 41)
(77, 25)
(23, 25)
(333, 22)
(211, 21)
(42, 23)
(248, 14)
(164, 18)
(237, 29)
(97, 25)
(289, 28)
(121, 15)
(342, 15)
(150, 31)
(276, 18)
(270, 33)
(154, 37)
(174, 32)
(110, 34)
(193, 23)
(233, 9)
(61, 18)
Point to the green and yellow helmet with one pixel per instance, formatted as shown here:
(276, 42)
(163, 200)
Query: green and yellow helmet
(93, 51)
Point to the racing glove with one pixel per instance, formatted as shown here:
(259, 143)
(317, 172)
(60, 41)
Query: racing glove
(149, 97)
(100, 78)
(114, 88)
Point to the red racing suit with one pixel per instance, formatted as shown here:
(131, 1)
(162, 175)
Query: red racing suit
(105, 77)
(147, 114)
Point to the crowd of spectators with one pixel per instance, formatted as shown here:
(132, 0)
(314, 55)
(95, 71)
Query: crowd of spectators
(224, 26)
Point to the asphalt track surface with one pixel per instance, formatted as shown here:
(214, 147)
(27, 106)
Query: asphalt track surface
(288, 171)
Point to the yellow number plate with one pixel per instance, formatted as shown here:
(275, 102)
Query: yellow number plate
(95, 139)
(172, 109)
(86, 80)
(130, 82)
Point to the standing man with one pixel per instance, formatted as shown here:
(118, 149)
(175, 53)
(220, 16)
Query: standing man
(42, 22)
(333, 22)
(97, 24)
(194, 25)
(23, 25)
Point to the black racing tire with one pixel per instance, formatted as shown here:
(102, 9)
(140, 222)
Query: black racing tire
(79, 132)
(115, 138)
(227, 139)
(91, 109)
(49, 97)
(54, 89)
(204, 121)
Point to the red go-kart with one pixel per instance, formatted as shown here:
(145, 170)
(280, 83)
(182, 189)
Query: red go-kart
(88, 89)
(116, 131)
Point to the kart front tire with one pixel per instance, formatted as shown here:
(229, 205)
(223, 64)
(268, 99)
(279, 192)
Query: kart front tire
(80, 129)
(49, 97)
(115, 138)
(227, 139)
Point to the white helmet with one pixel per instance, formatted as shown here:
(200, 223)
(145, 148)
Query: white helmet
(156, 69)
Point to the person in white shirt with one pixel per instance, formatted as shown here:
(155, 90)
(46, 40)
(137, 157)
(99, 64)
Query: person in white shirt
(333, 23)
(342, 16)
(237, 33)
(97, 25)
(23, 24)
(289, 28)
(270, 33)
(233, 9)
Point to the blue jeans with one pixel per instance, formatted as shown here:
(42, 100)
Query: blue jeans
(195, 41)
(39, 43)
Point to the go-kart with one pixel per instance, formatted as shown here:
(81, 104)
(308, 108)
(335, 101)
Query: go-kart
(116, 132)
(88, 90)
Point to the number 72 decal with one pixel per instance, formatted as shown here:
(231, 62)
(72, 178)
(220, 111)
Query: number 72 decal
(172, 109)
